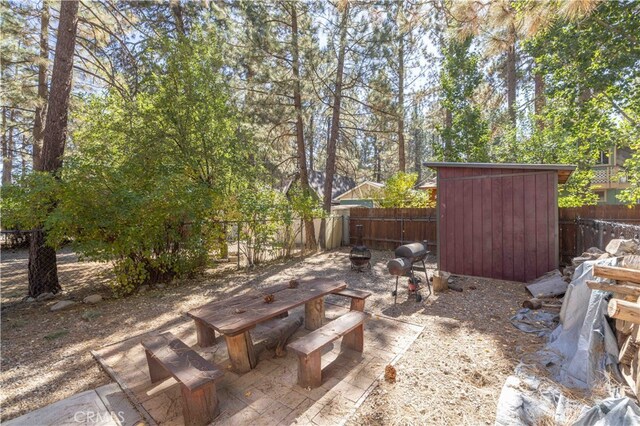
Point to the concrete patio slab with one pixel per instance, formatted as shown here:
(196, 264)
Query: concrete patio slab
(104, 406)
(268, 394)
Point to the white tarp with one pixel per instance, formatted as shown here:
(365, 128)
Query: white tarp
(581, 350)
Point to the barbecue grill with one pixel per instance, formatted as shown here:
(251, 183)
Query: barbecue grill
(360, 255)
(404, 265)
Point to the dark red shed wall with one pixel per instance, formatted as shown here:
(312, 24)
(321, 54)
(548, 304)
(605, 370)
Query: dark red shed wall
(498, 223)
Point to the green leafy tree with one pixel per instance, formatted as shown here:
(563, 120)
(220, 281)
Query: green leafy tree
(148, 178)
(465, 132)
(399, 192)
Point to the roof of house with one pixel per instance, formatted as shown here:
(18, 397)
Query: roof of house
(564, 170)
(356, 192)
(427, 184)
(341, 184)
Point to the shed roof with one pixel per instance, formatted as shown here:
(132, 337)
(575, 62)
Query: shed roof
(564, 170)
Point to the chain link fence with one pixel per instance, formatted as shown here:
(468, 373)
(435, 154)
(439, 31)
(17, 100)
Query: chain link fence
(247, 244)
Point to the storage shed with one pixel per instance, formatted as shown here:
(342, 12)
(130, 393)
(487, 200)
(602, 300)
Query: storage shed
(498, 220)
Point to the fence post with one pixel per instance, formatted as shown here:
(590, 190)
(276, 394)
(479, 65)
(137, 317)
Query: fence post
(238, 243)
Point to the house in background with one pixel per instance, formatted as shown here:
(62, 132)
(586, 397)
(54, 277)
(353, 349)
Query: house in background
(609, 178)
(430, 185)
(341, 184)
(366, 194)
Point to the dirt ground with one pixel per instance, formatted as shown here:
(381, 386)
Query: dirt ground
(452, 374)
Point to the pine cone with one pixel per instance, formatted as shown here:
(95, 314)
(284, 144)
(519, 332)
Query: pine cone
(390, 373)
(269, 298)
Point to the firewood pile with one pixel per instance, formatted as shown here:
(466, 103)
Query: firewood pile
(624, 308)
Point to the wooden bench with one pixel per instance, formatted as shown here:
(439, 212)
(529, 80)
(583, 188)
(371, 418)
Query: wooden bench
(309, 347)
(169, 356)
(357, 298)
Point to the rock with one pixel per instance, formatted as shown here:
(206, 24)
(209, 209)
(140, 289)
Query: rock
(160, 286)
(92, 299)
(604, 256)
(143, 289)
(620, 247)
(30, 299)
(455, 287)
(592, 254)
(594, 250)
(45, 296)
(63, 304)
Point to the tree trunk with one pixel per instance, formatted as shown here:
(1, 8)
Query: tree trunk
(43, 269)
(377, 172)
(418, 146)
(511, 79)
(176, 11)
(330, 167)
(42, 258)
(540, 100)
(7, 151)
(41, 106)
(309, 229)
(402, 163)
(448, 122)
(310, 140)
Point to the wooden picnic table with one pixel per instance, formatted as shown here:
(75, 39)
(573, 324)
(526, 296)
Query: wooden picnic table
(236, 316)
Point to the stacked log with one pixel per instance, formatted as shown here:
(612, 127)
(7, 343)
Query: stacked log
(624, 307)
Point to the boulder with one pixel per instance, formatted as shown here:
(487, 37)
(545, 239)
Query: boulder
(63, 304)
(45, 296)
(143, 289)
(92, 299)
(620, 247)
(594, 250)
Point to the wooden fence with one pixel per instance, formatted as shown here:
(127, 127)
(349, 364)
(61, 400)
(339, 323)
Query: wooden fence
(386, 229)
(579, 228)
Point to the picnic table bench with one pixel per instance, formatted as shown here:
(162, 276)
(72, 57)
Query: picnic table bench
(237, 316)
(169, 356)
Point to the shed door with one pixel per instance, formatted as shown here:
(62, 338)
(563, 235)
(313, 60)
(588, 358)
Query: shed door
(497, 223)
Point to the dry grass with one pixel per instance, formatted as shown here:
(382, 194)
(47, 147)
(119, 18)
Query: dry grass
(452, 374)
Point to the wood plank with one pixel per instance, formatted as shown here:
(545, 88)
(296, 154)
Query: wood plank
(237, 318)
(553, 250)
(476, 235)
(497, 220)
(487, 238)
(464, 226)
(530, 232)
(507, 229)
(617, 273)
(182, 362)
(624, 310)
(622, 289)
(541, 224)
(355, 294)
(518, 228)
(327, 334)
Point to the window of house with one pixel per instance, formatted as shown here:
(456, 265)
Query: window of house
(602, 196)
(603, 158)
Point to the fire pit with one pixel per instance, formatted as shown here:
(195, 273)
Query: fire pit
(360, 256)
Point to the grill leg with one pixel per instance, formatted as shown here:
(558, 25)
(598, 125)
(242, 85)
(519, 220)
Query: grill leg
(426, 277)
(395, 297)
